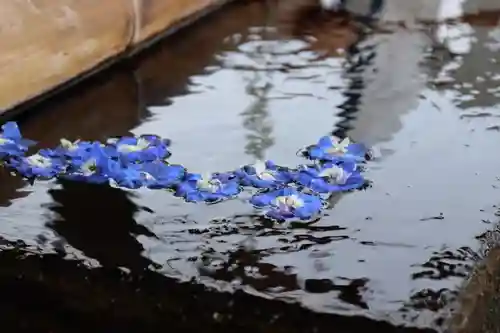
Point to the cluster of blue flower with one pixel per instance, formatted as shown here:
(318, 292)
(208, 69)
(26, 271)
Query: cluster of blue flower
(133, 162)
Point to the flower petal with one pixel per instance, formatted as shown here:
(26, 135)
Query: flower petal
(11, 130)
(325, 142)
(263, 199)
(357, 149)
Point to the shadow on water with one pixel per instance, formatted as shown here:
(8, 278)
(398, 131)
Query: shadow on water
(54, 295)
(258, 84)
(99, 221)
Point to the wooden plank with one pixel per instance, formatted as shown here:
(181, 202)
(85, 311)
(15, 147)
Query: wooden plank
(45, 43)
(156, 15)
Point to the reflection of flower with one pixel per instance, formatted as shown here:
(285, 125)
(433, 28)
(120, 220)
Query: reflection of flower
(146, 148)
(329, 177)
(288, 203)
(330, 148)
(263, 175)
(40, 165)
(158, 174)
(11, 141)
(208, 188)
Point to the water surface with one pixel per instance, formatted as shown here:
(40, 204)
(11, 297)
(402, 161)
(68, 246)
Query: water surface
(239, 88)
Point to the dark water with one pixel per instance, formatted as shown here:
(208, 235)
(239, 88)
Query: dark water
(237, 88)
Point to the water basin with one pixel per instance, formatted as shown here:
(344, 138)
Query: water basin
(238, 88)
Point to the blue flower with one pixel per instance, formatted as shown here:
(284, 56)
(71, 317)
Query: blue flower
(156, 140)
(133, 162)
(330, 177)
(330, 148)
(146, 148)
(73, 150)
(288, 203)
(91, 165)
(263, 175)
(125, 176)
(158, 175)
(208, 188)
(39, 165)
(11, 141)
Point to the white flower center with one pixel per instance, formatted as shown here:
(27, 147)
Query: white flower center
(288, 201)
(262, 172)
(39, 161)
(148, 176)
(266, 175)
(66, 144)
(4, 141)
(339, 147)
(208, 183)
(141, 144)
(89, 167)
(335, 175)
(111, 141)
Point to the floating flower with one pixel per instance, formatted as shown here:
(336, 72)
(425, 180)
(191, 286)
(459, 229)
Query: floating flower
(39, 165)
(263, 175)
(133, 162)
(126, 176)
(159, 175)
(330, 177)
(11, 141)
(288, 203)
(146, 148)
(208, 188)
(330, 148)
(92, 165)
(72, 150)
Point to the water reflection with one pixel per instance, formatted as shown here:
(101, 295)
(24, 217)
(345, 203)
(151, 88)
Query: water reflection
(358, 58)
(244, 265)
(256, 121)
(57, 295)
(99, 221)
(478, 50)
(384, 95)
(11, 188)
(256, 116)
